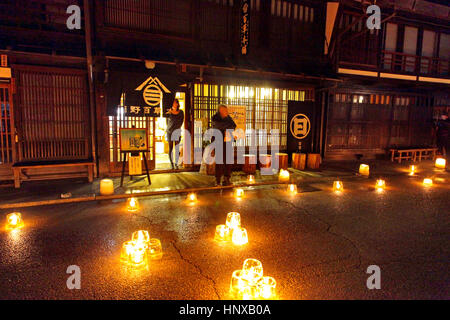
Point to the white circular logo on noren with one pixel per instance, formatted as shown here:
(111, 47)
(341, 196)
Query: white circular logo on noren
(300, 126)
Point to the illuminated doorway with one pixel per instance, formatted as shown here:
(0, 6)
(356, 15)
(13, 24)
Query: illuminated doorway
(162, 160)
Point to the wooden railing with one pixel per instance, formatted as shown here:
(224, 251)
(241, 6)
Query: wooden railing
(413, 64)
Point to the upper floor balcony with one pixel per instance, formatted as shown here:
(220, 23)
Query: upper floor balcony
(399, 47)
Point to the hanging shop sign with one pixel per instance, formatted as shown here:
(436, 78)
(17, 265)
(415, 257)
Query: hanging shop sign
(245, 25)
(300, 126)
(142, 94)
(133, 140)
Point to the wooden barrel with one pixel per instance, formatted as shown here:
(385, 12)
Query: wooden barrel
(299, 161)
(314, 160)
(282, 160)
(249, 164)
(265, 161)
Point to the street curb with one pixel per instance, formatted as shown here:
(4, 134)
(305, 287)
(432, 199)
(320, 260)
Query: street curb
(129, 195)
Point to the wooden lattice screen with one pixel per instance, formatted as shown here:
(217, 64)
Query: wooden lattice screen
(52, 114)
(266, 108)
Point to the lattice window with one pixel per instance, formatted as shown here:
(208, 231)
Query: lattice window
(266, 108)
(6, 134)
(53, 114)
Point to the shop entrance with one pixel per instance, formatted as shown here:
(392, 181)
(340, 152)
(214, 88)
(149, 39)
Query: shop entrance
(161, 143)
(158, 155)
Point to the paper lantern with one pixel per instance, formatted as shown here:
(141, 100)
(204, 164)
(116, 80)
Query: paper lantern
(338, 186)
(252, 270)
(427, 182)
(292, 188)
(141, 236)
(192, 197)
(233, 220)
(251, 179)
(239, 236)
(155, 249)
(222, 233)
(266, 287)
(440, 163)
(239, 193)
(132, 204)
(380, 184)
(14, 220)
(283, 175)
(412, 170)
(106, 187)
(134, 254)
(364, 169)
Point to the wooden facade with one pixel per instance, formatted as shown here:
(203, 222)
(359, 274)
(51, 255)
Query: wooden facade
(392, 79)
(374, 89)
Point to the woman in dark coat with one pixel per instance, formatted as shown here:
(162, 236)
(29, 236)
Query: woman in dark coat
(175, 121)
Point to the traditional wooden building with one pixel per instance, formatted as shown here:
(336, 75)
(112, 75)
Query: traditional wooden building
(396, 79)
(66, 93)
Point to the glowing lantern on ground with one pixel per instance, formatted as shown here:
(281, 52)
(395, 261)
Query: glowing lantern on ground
(192, 197)
(251, 179)
(132, 204)
(134, 254)
(14, 220)
(141, 236)
(284, 175)
(239, 193)
(412, 170)
(427, 182)
(364, 169)
(249, 283)
(240, 236)
(380, 184)
(266, 287)
(252, 270)
(106, 187)
(233, 220)
(292, 188)
(222, 233)
(440, 163)
(338, 186)
(155, 249)
(237, 284)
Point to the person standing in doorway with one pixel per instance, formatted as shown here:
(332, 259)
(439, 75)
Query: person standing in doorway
(175, 121)
(223, 122)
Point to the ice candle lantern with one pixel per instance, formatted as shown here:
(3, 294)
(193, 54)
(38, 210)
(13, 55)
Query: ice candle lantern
(338, 186)
(440, 163)
(364, 169)
(14, 220)
(132, 204)
(106, 187)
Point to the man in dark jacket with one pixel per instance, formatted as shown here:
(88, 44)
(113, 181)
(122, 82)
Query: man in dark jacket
(223, 122)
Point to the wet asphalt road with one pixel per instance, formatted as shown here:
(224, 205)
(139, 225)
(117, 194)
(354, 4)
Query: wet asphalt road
(317, 245)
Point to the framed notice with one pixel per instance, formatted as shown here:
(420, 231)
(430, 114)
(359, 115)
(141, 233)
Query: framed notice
(237, 113)
(133, 140)
(134, 165)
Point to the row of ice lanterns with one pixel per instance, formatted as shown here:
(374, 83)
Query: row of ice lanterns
(248, 283)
